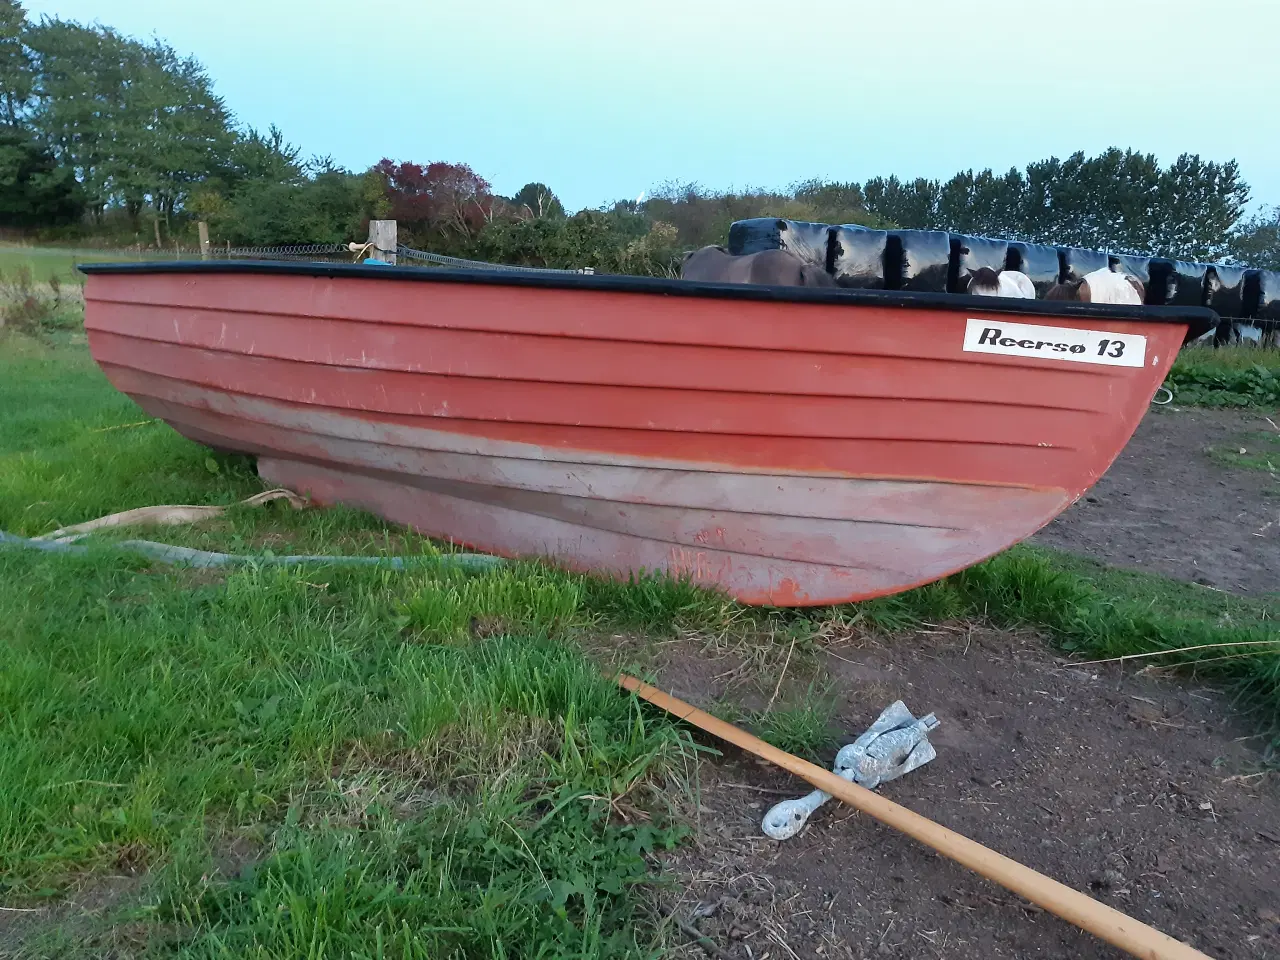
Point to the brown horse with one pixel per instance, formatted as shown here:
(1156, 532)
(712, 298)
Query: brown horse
(769, 267)
(1107, 287)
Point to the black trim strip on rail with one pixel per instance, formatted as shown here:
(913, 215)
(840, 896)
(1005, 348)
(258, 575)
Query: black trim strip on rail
(1199, 320)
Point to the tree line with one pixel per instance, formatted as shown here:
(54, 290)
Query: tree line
(1121, 201)
(106, 137)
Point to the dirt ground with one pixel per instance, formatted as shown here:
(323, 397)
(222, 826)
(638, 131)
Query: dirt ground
(1142, 791)
(1166, 507)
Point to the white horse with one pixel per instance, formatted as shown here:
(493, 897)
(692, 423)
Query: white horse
(985, 282)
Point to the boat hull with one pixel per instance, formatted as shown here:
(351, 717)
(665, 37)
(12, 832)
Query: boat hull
(788, 450)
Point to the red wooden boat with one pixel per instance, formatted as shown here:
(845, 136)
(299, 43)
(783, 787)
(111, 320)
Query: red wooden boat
(790, 446)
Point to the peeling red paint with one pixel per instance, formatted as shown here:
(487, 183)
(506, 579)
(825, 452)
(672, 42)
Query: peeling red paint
(789, 454)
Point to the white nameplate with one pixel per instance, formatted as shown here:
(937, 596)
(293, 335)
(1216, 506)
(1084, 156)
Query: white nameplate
(1055, 343)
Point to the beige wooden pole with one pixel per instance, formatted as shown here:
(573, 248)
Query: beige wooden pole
(1118, 929)
(382, 236)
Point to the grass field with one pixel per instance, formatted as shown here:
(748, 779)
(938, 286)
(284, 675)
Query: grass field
(47, 262)
(329, 761)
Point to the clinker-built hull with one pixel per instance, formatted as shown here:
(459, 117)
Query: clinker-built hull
(791, 447)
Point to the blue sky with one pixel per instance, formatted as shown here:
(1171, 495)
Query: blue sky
(604, 99)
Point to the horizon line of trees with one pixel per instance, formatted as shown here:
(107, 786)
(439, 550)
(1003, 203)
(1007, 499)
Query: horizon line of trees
(1122, 201)
(106, 136)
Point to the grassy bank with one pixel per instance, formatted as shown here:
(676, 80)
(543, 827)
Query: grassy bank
(356, 762)
(396, 782)
(1233, 376)
(360, 762)
(1098, 612)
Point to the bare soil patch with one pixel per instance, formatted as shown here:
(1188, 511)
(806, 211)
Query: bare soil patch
(1145, 792)
(81, 911)
(1166, 506)
(93, 918)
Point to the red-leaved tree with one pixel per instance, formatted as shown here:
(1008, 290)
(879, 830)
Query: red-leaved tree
(449, 200)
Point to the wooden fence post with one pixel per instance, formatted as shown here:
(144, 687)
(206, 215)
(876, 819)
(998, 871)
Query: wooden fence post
(382, 235)
(203, 229)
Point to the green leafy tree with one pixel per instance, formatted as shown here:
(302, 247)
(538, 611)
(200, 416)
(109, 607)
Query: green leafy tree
(834, 202)
(1040, 219)
(16, 76)
(700, 216)
(252, 156)
(911, 205)
(538, 199)
(330, 208)
(1200, 206)
(1256, 242)
(980, 203)
(267, 196)
(78, 100)
(267, 157)
(1103, 202)
(34, 190)
(703, 216)
(1119, 200)
(614, 241)
(830, 195)
(138, 123)
(177, 130)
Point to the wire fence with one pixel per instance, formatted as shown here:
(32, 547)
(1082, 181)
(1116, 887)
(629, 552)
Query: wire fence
(302, 252)
(349, 252)
(423, 256)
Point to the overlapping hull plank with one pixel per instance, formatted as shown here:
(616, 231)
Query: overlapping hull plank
(789, 450)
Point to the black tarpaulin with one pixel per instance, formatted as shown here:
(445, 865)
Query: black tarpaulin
(858, 256)
(1162, 285)
(1176, 283)
(1267, 307)
(1037, 260)
(922, 259)
(1134, 266)
(1224, 290)
(1076, 264)
(808, 241)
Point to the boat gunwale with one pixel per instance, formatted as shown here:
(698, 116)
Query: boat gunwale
(1199, 320)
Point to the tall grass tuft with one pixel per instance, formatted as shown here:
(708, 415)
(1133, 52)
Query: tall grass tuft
(1102, 613)
(451, 606)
